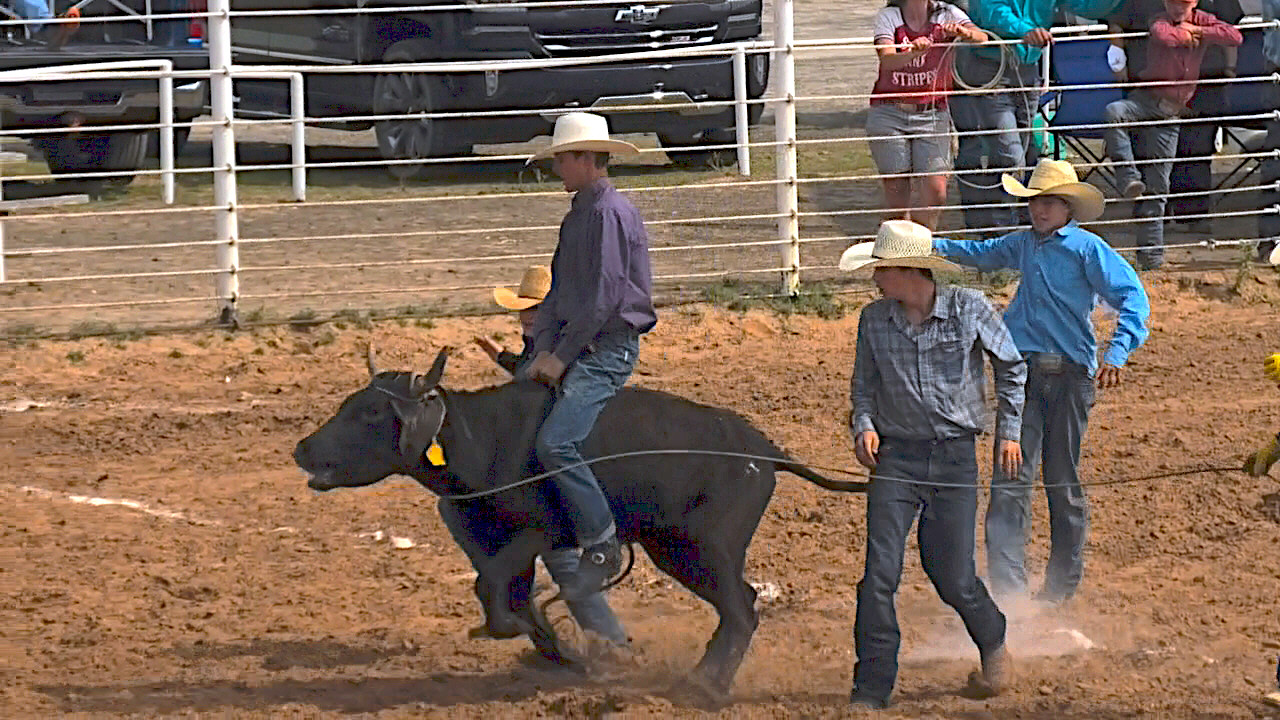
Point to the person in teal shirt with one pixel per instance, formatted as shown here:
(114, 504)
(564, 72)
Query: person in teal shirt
(1065, 270)
(1009, 106)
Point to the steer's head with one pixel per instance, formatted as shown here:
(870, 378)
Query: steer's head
(379, 430)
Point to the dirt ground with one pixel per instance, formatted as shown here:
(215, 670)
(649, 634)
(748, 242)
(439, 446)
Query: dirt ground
(160, 556)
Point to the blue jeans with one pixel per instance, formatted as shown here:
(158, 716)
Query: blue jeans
(1009, 111)
(472, 527)
(1151, 142)
(1053, 425)
(589, 383)
(33, 10)
(946, 536)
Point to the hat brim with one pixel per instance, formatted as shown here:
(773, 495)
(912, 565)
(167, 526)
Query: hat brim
(1086, 200)
(507, 298)
(603, 146)
(858, 258)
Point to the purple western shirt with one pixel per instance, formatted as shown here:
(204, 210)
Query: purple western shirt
(600, 277)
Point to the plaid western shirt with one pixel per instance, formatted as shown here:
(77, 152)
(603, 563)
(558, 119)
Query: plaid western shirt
(926, 382)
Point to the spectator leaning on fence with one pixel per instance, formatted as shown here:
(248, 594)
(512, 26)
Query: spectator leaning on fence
(1010, 109)
(1179, 38)
(1269, 222)
(1065, 270)
(908, 118)
(919, 403)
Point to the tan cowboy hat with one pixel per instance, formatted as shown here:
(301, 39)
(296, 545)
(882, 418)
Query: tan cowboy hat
(583, 131)
(533, 289)
(1058, 177)
(899, 243)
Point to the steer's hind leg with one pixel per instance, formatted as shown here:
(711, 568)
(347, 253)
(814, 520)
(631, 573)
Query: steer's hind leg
(714, 573)
(709, 557)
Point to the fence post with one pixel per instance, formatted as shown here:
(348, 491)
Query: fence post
(166, 136)
(224, 158)
(785, 125)
(740, 110)
(298, 106)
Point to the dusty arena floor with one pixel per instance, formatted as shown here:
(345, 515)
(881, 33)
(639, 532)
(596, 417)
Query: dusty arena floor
(161, 556)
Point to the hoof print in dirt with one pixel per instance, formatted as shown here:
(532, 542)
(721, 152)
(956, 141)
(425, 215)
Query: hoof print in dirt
(1270, 507)
(697, 692)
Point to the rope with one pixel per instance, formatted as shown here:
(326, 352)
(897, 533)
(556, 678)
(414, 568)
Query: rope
(788, 461)
(1005, 52)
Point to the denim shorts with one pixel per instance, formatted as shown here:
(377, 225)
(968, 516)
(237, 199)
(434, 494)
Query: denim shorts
(910, 141)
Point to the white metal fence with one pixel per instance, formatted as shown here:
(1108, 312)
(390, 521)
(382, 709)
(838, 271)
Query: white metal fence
(343, 238)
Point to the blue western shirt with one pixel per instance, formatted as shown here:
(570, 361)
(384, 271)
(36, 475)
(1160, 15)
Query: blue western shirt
(1011, 19)
(600, 277)
(1063, 275)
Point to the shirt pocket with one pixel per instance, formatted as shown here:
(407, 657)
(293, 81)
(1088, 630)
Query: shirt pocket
(949, 356)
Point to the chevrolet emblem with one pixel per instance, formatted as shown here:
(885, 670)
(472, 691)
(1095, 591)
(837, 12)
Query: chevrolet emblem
(638, 14)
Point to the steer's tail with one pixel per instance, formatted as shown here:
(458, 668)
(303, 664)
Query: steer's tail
(796, 468)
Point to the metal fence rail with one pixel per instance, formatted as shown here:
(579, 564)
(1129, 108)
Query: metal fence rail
(340, 240)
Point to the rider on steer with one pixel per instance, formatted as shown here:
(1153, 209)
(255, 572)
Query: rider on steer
(588, 331)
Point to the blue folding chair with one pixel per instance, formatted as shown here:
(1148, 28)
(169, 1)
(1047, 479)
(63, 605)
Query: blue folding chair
(1081, 62)
(1247, 98)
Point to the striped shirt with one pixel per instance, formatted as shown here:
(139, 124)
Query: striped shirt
(926, 382)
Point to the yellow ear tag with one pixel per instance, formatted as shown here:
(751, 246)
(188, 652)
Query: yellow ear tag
(435, 454)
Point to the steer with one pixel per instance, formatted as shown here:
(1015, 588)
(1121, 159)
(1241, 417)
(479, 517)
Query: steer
(693, 514)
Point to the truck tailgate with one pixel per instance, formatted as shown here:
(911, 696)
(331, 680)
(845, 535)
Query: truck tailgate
(14, 57)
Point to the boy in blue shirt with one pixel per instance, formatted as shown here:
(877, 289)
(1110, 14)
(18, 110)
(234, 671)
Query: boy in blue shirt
(1065, 271)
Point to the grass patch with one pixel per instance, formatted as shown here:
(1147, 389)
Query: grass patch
(23, 331)
(256, 316)
(352, 317)
(1244, 269)
(985, 281)
(815, 299)
(75, 357)
(91, 328)
(305, 318)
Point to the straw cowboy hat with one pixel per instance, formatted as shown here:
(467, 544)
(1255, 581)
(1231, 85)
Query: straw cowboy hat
(583, 131)
(533, 289)
(899, 243)
(1058, 178)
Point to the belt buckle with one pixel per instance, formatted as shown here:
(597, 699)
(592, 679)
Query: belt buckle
(1049, 363)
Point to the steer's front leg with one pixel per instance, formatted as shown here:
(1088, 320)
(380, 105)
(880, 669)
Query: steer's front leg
(519, 612)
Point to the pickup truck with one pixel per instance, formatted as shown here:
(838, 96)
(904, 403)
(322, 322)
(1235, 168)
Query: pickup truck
(488, 30)
(85, 112)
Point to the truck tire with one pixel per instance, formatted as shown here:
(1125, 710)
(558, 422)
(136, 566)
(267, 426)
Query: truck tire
(180, 137)
(95, 152)
(404, 93)
(691, 153)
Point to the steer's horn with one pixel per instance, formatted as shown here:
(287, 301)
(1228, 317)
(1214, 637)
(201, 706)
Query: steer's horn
(371, 358)
(423, 383)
